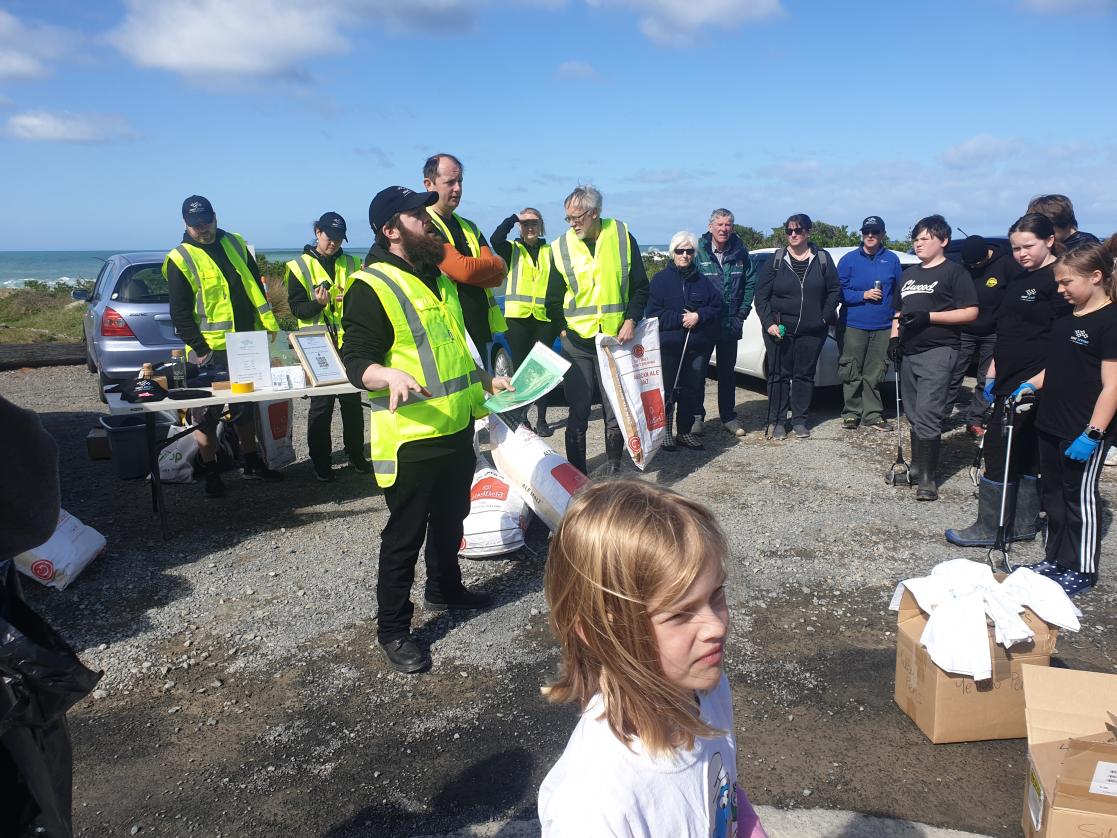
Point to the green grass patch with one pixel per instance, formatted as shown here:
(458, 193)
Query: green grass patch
(40, 315)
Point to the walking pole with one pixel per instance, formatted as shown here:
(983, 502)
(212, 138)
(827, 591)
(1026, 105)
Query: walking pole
(773, 375)
(900, 471)
(1003, 539)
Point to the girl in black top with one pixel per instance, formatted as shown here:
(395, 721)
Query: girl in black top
(1029, 305)
(1075, 422)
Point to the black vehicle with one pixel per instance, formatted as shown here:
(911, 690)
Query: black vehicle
(954, 247)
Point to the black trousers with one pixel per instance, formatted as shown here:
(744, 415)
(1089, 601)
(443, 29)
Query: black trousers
(979, 347)
(429, 500)
(522, 334)
(318, 420)
(791, 369)
(1025, 444)
(579, 382)
(1070, 498)
(692, 383)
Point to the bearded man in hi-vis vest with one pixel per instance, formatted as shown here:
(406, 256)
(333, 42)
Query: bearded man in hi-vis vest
(405, 342)
(604, 289)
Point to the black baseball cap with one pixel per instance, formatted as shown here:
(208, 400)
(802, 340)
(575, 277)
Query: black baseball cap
(873, 222)
(975, 249)
(197, 210)
(333, 225)
(396, 199)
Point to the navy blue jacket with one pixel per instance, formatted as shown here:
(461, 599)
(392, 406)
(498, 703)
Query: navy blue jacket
(734, 278)
(669, 294)
(806, 307)
(857, 272)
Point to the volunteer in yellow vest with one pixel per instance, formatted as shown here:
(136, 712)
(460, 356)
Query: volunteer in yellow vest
(214, 286)
(405, 343)
(525, 292)
(598, 279)
(316, 282)
(466, 256)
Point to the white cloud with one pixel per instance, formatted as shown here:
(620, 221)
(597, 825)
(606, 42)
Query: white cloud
(1069, 6)
(979, 150)
(675, 22)
(45, 126)
(210, 38)
(26, 49)
(576, 70)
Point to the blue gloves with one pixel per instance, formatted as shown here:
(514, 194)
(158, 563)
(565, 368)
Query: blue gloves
(1026, 387)
(1081, 449)
(988, 391)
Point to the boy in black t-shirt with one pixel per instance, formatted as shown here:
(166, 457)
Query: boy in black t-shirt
(932, 301)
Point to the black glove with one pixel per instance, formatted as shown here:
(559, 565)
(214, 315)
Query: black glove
(916, 320)
(893, 349)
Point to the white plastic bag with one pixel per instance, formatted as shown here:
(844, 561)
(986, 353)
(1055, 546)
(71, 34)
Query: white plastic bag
(632, 381)
(65, 554)
(498, 516)
(274, 433)
(544, 479)
(176, 461)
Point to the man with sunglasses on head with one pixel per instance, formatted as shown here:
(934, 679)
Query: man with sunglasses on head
(600, 284)
(868, 276)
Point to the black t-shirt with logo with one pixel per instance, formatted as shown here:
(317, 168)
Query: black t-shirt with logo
(944, 287)
(1072, 382)
(1031, 303)
(989, 283)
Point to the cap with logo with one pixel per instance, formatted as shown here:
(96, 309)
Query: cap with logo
(197, 211)
(975, 249)
(333, 225)
(873, 222)
(396, 199)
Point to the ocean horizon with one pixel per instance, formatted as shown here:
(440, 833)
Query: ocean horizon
(17, 267)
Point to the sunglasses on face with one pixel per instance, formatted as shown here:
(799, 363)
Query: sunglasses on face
(872, 231)
(795, 231)
(684, 251)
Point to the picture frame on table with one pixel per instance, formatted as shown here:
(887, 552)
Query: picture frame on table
(318, 355)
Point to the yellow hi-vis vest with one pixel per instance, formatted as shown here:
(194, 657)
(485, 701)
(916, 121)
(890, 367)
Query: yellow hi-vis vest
(309, 272)
(473, 241)
(213, 310)
(526, 289)
(596, 283)
(430, 345)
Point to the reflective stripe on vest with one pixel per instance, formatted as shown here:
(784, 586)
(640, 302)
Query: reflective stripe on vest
(430, 346)
(473, 243)
(309, 272)
(527, 283)
(597, 283)
(213, 309)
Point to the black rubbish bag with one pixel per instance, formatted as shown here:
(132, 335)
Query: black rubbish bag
(40, 679)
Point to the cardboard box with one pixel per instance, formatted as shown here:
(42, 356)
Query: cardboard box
(97, 444)
(1072, 754)
(956, 708)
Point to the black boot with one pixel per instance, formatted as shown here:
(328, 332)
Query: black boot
(913, 469)
(928, 469)
(614, 450)
(543, 427)
(215, 488)
(576, 449)
(983, 532)
(1026, 524)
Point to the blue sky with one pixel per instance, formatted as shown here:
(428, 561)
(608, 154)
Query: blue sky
(112, 112)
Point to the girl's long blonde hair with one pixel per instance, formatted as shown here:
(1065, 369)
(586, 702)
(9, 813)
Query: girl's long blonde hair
(625, 550)
(1088, 258)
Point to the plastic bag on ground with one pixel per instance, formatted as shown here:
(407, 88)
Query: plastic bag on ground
(544, 479)
(58, 562)
(632, 381)
(274, 433)
(176, 461)
(40, 679)
(498, 516)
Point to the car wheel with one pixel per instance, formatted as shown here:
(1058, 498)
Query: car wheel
(89, 365)
(502, 362)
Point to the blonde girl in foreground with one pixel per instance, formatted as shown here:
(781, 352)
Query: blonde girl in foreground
(636, 588)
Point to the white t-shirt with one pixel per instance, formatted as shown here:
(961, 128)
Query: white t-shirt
(601, 788)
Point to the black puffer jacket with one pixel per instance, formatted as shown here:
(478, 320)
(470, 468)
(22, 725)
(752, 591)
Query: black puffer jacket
(806, 307)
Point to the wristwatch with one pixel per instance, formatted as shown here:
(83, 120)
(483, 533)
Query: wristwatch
(1096, 434)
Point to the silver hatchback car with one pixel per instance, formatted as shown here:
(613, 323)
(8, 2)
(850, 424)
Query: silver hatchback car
(128, 320)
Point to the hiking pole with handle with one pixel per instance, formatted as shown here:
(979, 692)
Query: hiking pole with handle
(773, 374)
(1003, 540)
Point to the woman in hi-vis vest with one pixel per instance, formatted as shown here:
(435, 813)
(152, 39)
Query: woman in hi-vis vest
(525, 291)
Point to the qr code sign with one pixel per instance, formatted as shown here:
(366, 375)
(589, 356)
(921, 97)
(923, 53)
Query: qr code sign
(1105, 779)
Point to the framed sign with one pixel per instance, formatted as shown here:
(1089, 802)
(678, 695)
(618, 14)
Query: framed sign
(319, 358)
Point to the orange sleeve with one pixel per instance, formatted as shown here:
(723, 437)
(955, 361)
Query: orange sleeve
(485, 271)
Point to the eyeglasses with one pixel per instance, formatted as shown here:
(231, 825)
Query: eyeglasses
(795, 231)
(872, 231)
(577, 219)
(684, 251)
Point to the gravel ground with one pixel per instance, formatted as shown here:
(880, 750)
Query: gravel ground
(244, 693)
